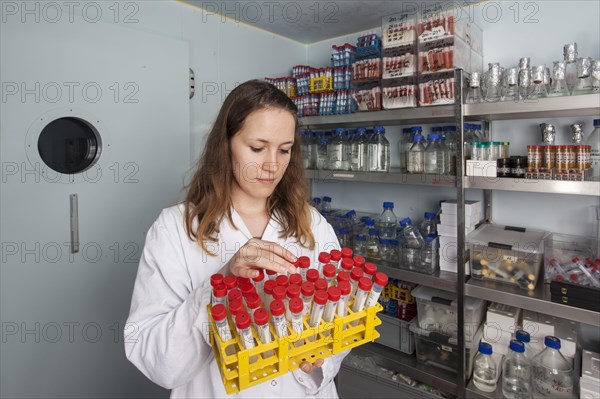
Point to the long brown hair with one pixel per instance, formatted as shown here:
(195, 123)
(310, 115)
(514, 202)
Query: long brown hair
(208, 197)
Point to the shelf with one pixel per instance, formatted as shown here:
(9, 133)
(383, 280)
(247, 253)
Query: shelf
(537, 300)
(440, 113)
(473, 393)
(442, 280)
(395, 176)
(551, 107)
(408, 365)
(533, 186)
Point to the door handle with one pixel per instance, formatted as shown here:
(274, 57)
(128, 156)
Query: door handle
(73, 200)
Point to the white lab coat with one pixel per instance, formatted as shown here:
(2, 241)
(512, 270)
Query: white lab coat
(166, 335)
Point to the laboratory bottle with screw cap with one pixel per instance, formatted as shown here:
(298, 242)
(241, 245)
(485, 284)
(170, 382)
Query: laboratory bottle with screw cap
(552, 372)
(485, 372)
(516, 372)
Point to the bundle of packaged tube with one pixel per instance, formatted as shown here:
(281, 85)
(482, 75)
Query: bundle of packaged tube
(266, 326)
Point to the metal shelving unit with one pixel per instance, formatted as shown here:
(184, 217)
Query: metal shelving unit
(442, 280)
(537, 300)
(591, 188)
(473, 393)
(395, 176)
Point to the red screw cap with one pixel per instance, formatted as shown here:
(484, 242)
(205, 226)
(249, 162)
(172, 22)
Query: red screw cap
(242, 320)
(365, 284)
(219, 312)
(277, 308)
(320, 297)
(324, 257)
(216, 279)
(335, 255)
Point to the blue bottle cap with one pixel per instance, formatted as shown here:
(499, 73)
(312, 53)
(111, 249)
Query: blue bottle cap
(360, 237)
(433, 236)
(378, 129)
(430, 238)
(361, 130)
(351, 213)
(523, 336)
(324, 141)
(384, 241)
(344, 231)
(405, 222)
(340, 130)
(596, 122)
(418, 129)
(326, 199)
(388, 205)
(373, 232)
(370, 222)
(317, 200)
(552, 342)
(516, 346)
(417, 138)
(485, 348)
(429, 215)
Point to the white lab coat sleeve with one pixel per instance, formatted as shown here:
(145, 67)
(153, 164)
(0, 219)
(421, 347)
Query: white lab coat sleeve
(166, 335)
(320, 378)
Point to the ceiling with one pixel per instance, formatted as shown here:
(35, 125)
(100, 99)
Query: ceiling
(309, 21)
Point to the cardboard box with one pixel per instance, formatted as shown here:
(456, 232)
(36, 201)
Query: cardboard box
(451, 231)
(471, 207)
(504, 317)
(452, 220)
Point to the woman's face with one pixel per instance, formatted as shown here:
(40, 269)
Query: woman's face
(260, 152)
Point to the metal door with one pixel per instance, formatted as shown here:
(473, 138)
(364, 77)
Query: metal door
(62, 313)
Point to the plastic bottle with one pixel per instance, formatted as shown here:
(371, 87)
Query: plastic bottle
(364, 137)
(516, 373)
(378, 151)
(429, 255)
(387, 221)
(552, 372)
(344, 237)
(484, 369)
(337, 153)
(416, 155)
(428, 225)
(372, 244)
(403, 146)
(360, 244)
(384, 249)
(322, 160)
(412, 243)
(594, 141)
(432, 154)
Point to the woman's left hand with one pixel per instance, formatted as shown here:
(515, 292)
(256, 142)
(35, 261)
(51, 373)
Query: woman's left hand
(308, 367)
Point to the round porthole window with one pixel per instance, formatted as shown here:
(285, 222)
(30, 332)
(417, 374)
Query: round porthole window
(69, 145)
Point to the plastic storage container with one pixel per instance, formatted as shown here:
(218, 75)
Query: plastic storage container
(440, 350)
(437, 311)
(396, 334)
(507, 254)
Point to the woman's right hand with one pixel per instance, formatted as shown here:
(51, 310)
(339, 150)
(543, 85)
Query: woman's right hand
(260, 254)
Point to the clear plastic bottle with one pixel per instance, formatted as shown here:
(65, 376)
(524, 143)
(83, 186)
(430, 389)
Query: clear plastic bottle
(429, 255)
(416, 155)
(358, 150)
(322, 154)
(594, 141)
(372, 244)
(387, 221)
(484, 369)
(552, 372)
(360, 245)
(428, 225)
(412, 243)
(431, 154)
(378, 151)
(403, 146)
(384, 249)
(344, 237)
(336, 151)
(516, 373)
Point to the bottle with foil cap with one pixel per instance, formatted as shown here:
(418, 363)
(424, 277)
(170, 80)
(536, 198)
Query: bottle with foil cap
(492, 91)
(577, 133)
(510, 85)
(558, 85)
(583, 85)
(538, 87)
(524, 83)
(596, 76)
(548, 133)
(474, 93)
(570, 56)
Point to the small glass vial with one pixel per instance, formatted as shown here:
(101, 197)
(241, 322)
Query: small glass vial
(324, 259)
(329, 272)
(355, 277)
(570, 58)
(261, 321)
(474, 93)
(538, 88)
(558, 85)
(278, 318)
(342, 308)
(510, 85)
(549, 156)
(219, 295)
(303, 266)
(596, 76)
(493, 90)
(534, 157)
(583, 85)
(524, 83)
(307, 291)
(379, 282)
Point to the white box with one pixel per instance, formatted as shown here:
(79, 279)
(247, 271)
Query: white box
(448, 250)
(471, 207)
(452, 220)
(502, 316)
(452, 267)
(590, 366)
(481, 168)
(499, 339)
(451, 231)
(588, 389)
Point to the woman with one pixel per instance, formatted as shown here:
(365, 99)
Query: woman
(245, 210)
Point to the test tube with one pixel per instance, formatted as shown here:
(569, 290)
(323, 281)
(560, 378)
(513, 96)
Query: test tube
(279, 292)
(346, 253)
(252, 302)
(342, 308)
(335, 255)
(242, 280)
(230, 282)
(347, 264)
(343, 276)
(355, 277)
(219, 295)
(247, 288)
(307, 291)
(271, 274)
(296, 278)
(261, 321)
(242, 322)
(333, 297)
(324, 259)
(296, 307)
(379, 281)
(364, 286)
(321, 284)
(359, 261)
(268, 293)
(293, 291)
(219, 315)
(282, 281)
(329, 273)
(312, 275)
(278, 318)
(235, 307)
(319, 301)
(259, 281)
(303, 265)
(234, 294)
(591, 279)
(369, 270)
(216, 279)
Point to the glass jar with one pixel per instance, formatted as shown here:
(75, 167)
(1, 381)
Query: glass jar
(505, 153)
(549, 156)
(580, 157)
(503, 167)
(562, 157)
(518, 166)
(534, 157)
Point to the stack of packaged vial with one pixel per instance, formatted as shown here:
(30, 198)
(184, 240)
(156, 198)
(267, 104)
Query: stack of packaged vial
(289, 303)
(366, 73)
(445, 43)
(447, 230)
(399, 48)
